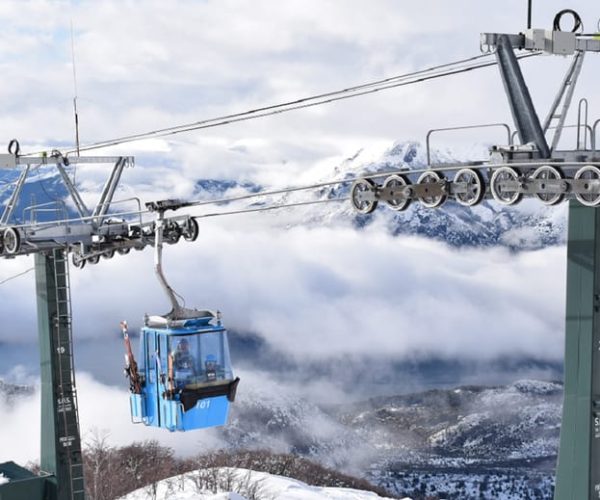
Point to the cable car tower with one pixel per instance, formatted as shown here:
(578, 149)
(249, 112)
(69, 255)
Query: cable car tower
(87, 235)
(535, 167)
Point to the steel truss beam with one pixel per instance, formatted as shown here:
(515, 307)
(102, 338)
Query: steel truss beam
(521, 105)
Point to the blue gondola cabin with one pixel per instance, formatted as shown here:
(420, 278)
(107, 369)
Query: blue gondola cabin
(184, 380)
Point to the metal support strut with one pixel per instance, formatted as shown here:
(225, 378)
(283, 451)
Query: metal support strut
(521, 105)
(564, 96)
(178, 312)
(158, 246)
(60, 437)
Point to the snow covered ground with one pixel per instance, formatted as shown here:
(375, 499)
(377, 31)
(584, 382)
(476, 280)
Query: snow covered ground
(242, 484)
(3, 479)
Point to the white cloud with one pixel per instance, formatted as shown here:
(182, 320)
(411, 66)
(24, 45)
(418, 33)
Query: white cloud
(333, 291)
(318, 292)
(103, 410)
(151, 65)
(20, 429)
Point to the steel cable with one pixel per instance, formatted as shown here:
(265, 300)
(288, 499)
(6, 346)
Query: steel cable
(316, 100)
(16, 275)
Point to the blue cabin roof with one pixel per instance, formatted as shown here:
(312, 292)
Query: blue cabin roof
(195, 322)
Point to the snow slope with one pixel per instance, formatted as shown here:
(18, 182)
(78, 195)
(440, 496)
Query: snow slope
(251, 485)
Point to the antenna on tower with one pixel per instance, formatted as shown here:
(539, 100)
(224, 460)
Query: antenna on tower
(74, 91)
(529, 14)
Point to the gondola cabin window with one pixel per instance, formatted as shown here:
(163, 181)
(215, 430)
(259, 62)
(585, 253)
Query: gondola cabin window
(199, 359)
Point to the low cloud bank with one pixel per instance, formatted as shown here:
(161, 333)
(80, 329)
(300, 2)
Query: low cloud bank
(103, 411)
(330, 292)
(317, 293)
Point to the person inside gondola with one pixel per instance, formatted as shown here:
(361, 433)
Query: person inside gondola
(184, 364)
(210, 368)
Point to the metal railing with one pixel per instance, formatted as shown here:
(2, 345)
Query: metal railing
(466, 127)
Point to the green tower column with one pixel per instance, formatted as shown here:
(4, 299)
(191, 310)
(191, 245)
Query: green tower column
(578, 469)
(60, 439)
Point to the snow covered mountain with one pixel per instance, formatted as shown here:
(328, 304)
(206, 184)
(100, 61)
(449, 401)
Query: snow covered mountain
(466, 436)
(489, 424)
(464, 442)
(454, 439)
(528, 225)
(43, 189)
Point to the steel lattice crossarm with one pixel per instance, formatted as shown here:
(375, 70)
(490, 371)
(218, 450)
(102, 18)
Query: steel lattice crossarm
(532, 167)
(88, 233)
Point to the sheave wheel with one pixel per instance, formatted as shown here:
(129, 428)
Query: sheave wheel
(501, 193)
(547, 172)
(11, 241)
(429, 199)
(474, 184)
(357, 192)
(173, 235)
(590, 198)
(94, 259)
(399, 201)
(191, 230)
(77, 261)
